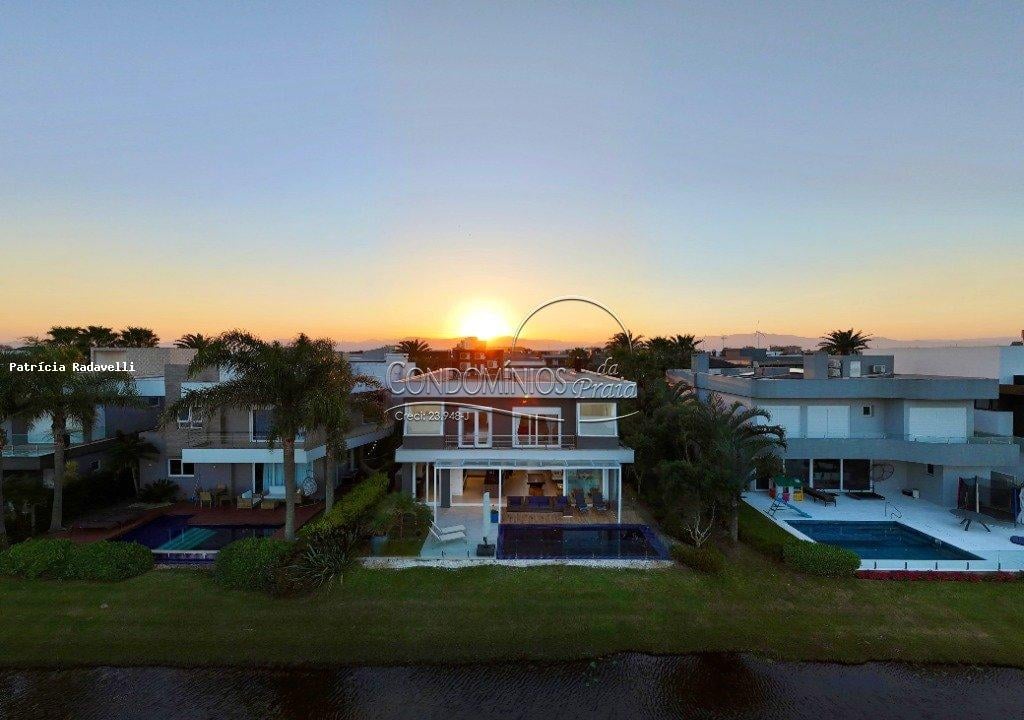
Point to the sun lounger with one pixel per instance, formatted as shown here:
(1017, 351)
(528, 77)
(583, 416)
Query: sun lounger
(456, 532)
(969, 516)
(819, 496)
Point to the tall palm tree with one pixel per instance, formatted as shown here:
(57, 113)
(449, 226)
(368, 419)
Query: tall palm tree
(416, 349)
(727, 445)
(128, 453)
(624, 341)
(12, 402)
(305, 384)
(195, 341)
(845, 342)
(65, 396)
(579, 358)
(138, 337)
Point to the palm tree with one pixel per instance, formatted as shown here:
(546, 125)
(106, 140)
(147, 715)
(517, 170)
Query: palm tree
(66, 395)
(579, 358)
(128, 453)
(195, 341)
(99, 336)
(415, 349)
(845, 342)
(624, 341)
(305, 384)
(138, 337)
(727, 445)
(12, 401)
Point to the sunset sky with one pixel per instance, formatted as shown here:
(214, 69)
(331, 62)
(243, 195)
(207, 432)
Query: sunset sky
(371, 170)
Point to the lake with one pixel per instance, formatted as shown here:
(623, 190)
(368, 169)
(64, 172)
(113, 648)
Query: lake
(716, 686)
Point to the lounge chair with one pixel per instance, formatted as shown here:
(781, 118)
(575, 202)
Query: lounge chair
(580, 501)
(246, 501)
(450, 534)
(598, 501)
(206, 498)
(819, 496)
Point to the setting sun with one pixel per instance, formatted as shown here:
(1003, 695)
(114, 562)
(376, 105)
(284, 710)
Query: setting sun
(484, 323)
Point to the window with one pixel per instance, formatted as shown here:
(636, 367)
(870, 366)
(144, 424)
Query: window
(867, 410)
(537, 427)
(930, 469)
(260, 421)
(177, 468)
(153, 401)
(474, 427)
(186, 419)
(426, 419)
(596, 419)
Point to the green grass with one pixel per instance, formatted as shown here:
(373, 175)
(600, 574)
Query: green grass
(181, 617)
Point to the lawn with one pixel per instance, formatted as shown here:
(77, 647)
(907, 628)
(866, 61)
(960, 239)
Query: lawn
(483, 613)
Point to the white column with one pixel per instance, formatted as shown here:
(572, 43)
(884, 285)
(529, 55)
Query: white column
(437, 493)
(499, 495)
(604, 482)
(414, 481)
(618, 486)
(810, 472)
(841, 462)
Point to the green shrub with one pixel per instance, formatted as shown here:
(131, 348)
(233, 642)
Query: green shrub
(353, 509)
(250, 564)
(108, 561)
(39, 558)
(160, 491)
(706, 558)
(316, 562)
(761, 533)
(820, 559)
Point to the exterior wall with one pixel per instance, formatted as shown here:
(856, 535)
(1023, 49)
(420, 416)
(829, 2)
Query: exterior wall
(1000, 362)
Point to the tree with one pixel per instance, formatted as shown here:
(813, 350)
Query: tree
(845, 342)
(67, 336)
(137, 337)
(195, 341)
(725, 448)
(580, 358)
(624, 341)
(416, 350)
(128, 453)
(306, 385)
(99, 336)
(12, 401)
(64, 395)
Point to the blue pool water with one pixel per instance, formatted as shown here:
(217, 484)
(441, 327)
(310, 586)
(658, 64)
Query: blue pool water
(172, 532)
(579, 542)
(880, 540)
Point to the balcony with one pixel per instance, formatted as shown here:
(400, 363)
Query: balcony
(981, 450)
(509, 442)
(220, 439)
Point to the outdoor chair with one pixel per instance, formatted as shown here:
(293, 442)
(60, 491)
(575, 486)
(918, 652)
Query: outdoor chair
(206, 499)
(580, 500)
(598, 501)
(819, 496)
(449, 534)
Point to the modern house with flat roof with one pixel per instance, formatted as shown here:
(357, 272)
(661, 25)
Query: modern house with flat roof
(230, 449)
(530, 437)
(853, 422)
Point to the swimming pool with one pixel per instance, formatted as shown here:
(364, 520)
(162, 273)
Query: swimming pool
(880, 540)
(579, 542)
(173, 533)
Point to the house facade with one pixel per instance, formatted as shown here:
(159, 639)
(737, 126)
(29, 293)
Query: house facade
(230, 449)
(517, 433)
(853, 423)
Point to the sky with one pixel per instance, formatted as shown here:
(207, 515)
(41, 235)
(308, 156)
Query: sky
(384, 170)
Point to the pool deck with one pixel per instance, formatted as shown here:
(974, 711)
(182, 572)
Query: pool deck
(995, 548)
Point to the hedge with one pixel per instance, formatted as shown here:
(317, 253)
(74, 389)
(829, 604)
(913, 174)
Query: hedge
(65, 560)
(251, 564)
(354, 507)
(705, 559)
(820, 559)
(761, 533)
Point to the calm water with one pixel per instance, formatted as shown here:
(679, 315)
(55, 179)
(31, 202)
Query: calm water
(880, 540)
(601, 541)
(713, 687)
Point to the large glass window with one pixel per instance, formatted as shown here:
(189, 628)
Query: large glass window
(826, 474)
(856, 474)
(260, 421)
(537, 427)
(426, 419)
(474, 427)
(596, 419)
(585, 481)
(177, 468)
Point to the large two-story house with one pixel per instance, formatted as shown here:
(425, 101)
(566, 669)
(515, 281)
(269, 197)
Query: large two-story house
(230, 448)
(853, 422)
(515, 433)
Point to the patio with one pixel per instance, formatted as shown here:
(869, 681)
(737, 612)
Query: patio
(935, 520)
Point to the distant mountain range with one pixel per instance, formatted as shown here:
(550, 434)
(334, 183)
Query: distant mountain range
(710, 342)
